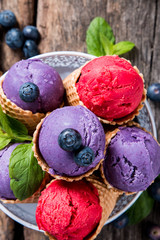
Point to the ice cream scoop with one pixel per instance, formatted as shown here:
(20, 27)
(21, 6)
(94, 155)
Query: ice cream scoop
(132, 159)
(109, 86)
(5, 190)
(34, 72)
(69, 210)
(57, 161)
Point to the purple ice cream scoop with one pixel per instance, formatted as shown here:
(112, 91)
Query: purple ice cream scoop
(47, 79)
(132, 160)
(61, 162)
(5, 190)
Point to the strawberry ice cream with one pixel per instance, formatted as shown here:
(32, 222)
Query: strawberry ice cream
(69, 211)
(110, 87)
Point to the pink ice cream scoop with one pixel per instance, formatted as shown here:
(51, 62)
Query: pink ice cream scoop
(69, 211)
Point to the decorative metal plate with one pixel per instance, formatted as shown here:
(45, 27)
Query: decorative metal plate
(65, 63)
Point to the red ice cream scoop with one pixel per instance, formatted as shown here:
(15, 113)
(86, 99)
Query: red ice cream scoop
(110, 87)
(69, 210)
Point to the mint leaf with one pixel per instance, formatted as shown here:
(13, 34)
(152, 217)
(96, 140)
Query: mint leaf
(107, 45)
(25, 173)
(4, 142)
(141, 208)
(122, 47)
(4, 139)
(98, 26)
(15, 129)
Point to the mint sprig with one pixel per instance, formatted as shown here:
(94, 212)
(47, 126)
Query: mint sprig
(101, 41)
(11, 130)
(25, 173)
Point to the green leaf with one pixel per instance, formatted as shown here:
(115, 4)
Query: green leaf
(15, 129)
(122, 47)
(98, 26)
(25, 173)
(4, 142)
(4, 139)
(107, 45)
(141, 208)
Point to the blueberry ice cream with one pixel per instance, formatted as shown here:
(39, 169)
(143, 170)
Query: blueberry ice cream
(91, 144)
(34, 85)
(132, 160)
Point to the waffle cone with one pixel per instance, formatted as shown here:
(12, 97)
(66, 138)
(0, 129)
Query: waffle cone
(29, 119)
(109, 135)
(74, 100)
(108, 199)
(45, 166)
(34, 198)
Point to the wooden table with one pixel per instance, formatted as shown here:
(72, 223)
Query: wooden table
(63, 25)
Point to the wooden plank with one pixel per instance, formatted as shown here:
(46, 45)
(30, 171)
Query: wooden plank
(31, 234)
(154, 64)
(24, 11)
(7, 227)
(63, 26)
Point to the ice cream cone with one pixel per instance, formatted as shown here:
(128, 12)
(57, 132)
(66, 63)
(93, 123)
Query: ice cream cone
(73, 97)
(29, 119)
(45, 166)
(108, 199)
(109, 136)
(34, 198)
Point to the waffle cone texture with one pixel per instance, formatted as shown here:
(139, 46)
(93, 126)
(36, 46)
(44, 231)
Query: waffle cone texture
(29, 119)
(74, 100)
(108, 199)
(44, 165)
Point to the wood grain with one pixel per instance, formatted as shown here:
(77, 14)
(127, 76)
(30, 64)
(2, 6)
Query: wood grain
(31, 234)
(63, 26)
(7, 227)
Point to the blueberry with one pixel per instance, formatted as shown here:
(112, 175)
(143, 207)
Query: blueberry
(29, 92)
(31, 32)
(153, 231)
(153, 92)
(30, 49)
(7, 19)
(154, 190)
(84, 157)
(14, 38)
(121, 222)
(69, 140)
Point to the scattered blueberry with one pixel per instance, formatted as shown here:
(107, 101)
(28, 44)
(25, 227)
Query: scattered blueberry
(153, 231)
(7, 19)
(84, 157)
(69, 140)
(29, 92)
(121, 222)
(154, 190)
(153, 92)
(14, 38)
(30, 49)
(31, 32)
